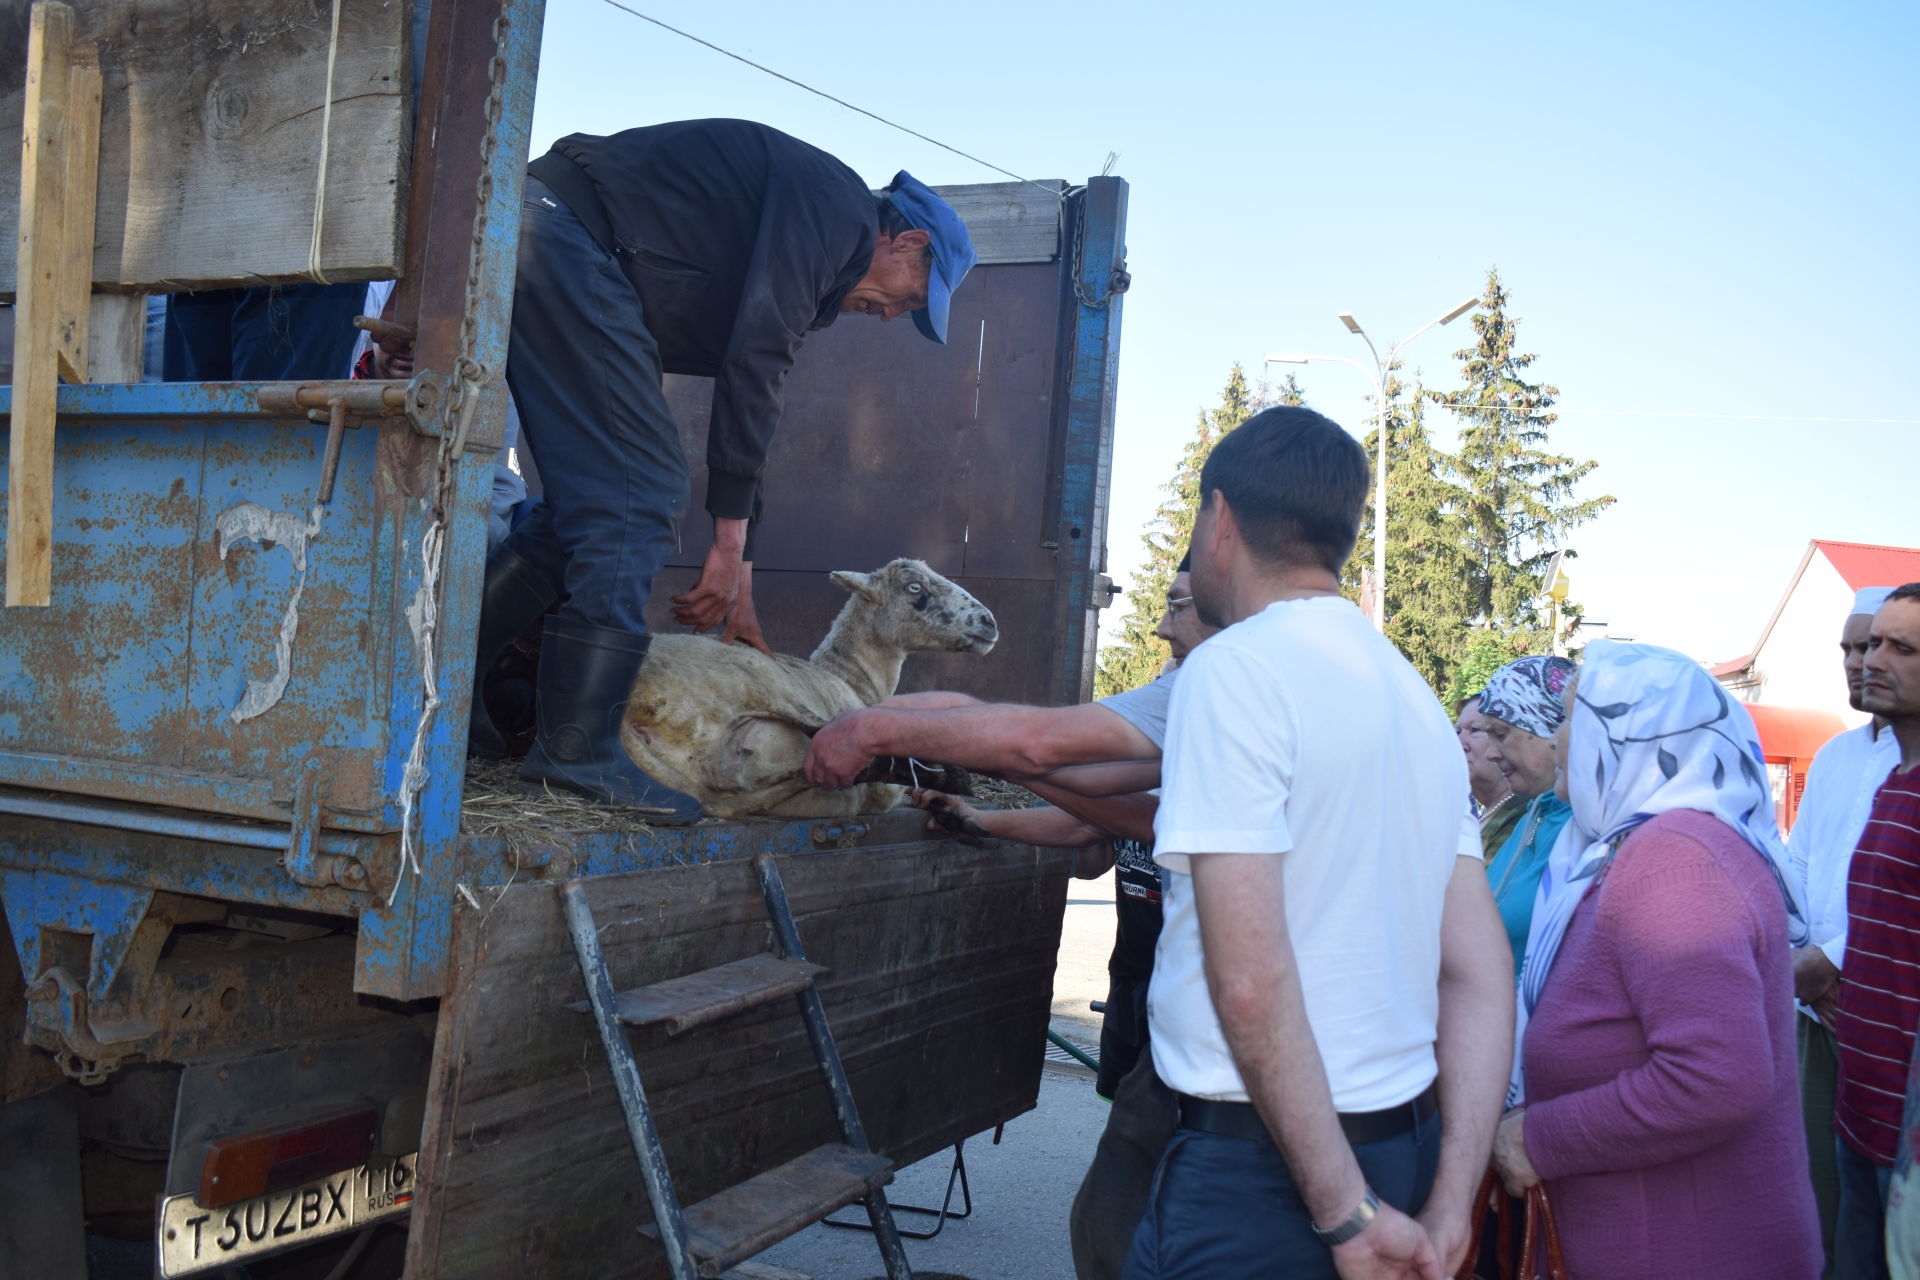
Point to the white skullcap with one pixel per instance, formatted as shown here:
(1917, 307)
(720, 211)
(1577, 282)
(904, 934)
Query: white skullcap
(1869, 599)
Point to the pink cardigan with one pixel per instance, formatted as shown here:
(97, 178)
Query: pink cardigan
(1662, 1099)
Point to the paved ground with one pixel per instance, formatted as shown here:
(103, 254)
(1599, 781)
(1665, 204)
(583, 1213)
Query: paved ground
(1022, 1188)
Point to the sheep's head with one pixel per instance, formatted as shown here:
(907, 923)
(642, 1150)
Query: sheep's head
(917, 609)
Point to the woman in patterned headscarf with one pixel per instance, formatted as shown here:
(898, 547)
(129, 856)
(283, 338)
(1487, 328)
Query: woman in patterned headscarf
(1656, 1045)
(1522, 708)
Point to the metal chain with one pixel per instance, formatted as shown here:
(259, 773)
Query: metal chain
(1117, 282)
(471, 376)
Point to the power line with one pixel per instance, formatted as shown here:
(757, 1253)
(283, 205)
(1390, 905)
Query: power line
(799, 84)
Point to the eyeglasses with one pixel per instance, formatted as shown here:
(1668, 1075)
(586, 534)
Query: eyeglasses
(1176, 603)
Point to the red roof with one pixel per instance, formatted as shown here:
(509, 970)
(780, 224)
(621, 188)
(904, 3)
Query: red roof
(1793, 733)
(1731, 667)
(1862, 564)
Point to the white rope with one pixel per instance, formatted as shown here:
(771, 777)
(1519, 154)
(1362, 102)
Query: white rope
(320, 180)
(423, 618)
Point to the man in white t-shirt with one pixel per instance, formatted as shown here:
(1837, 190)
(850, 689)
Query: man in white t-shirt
(1332, 974)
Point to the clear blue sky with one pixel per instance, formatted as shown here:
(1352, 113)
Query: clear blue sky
(1698, 209)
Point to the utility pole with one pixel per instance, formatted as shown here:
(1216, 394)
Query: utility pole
(1378, 375)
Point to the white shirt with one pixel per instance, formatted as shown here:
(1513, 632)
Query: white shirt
(1833, 812)
(1302, 731)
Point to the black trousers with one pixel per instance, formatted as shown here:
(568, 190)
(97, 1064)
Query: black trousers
(586, 375)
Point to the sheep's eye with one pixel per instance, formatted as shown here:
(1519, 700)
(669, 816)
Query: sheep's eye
(915, 587)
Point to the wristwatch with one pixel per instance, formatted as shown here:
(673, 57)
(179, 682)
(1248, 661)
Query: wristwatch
(1355, 1223)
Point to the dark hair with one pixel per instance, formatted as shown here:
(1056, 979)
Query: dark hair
(1297, 483)
(1186, 562)
(893, 222)
(1909, 592)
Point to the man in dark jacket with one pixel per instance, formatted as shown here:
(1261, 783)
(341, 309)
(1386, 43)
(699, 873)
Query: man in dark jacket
(704, 247)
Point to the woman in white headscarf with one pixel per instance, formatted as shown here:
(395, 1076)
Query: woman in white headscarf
(1656, 1057)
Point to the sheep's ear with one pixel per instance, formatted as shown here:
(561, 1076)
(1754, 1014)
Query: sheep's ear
(861, 584)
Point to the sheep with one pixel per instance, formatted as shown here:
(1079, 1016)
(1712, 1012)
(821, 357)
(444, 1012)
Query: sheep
(729, 725)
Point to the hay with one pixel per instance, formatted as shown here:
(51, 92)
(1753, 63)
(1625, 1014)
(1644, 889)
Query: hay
(498, 805)
(996, 793)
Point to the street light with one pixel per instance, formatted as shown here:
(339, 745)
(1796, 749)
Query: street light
(1378, 377)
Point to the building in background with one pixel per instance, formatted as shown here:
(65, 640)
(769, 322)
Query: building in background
(1791, 681)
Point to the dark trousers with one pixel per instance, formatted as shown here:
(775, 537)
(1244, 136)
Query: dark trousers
(586, 376)
(1819, 1078)
(1860, 1230)
(1113, 1195)
(277, 333)
(1227, 1207)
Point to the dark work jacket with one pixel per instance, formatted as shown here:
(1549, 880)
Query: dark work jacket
(739, 240)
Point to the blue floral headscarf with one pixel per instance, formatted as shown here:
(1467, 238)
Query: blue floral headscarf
(1652, 732)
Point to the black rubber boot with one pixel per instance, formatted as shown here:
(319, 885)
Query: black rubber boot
(517, 591)
(586, 673)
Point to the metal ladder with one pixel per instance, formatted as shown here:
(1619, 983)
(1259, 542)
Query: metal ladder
(713, 1237)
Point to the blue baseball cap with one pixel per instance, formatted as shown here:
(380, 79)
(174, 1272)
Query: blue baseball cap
(953, 254)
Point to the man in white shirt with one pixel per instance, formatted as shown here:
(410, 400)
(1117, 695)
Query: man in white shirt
(1833, 812)
(1332, 973)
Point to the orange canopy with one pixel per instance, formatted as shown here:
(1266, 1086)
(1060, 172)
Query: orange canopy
(1793, 733)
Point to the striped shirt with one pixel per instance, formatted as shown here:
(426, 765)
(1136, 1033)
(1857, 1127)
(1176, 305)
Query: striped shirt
(1880, 984)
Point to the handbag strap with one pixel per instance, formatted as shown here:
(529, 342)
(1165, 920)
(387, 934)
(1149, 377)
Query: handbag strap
(1539, 1234)
(1540, 1209)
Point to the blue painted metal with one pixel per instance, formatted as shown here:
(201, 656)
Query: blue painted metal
(38, 902)
(1090, 345)
(120, 764)
(88, 813)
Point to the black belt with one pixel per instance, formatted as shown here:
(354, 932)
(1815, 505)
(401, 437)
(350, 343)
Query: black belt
(1240, 1120)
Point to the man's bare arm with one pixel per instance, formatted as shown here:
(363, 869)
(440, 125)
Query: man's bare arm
(1255, 983)
(1117, 778)
(999, 738)
(1054, 828)
(1475, 1049)
(1129, 817)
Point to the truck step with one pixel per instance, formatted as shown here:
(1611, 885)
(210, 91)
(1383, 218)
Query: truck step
(725, 1230)
(688, 1002)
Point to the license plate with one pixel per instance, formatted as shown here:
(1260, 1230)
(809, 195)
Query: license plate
(195, 1239)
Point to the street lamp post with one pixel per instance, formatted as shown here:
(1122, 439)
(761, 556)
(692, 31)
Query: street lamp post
(1378, 377)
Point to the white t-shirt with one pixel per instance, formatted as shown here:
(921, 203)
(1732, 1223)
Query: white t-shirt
(1302, 731)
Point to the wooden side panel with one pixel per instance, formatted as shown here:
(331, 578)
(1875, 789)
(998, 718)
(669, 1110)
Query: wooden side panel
(1010, 221)
(210, 143)
(941, 962)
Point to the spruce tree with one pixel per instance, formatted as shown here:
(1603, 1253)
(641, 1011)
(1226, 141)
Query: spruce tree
(1139, 654)
(1516, 498)
(1429, 572)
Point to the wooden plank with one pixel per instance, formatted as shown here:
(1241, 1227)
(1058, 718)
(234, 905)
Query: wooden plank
(116, 337)
(82, 147)
(210, 141)
(36, 356)
(733, 1225)
(699, 998)
(942, 960)
(1010, 221)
